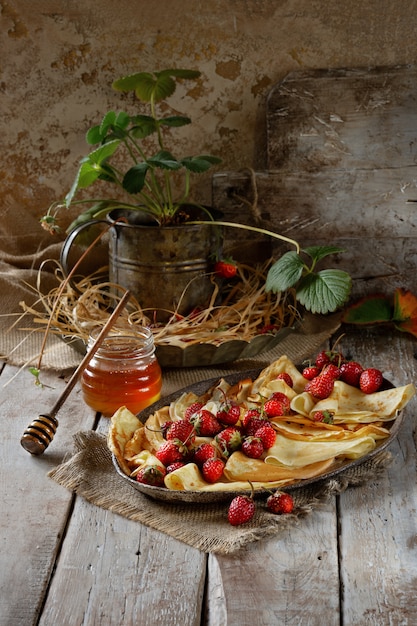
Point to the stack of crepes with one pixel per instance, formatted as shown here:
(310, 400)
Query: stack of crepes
(304, 447)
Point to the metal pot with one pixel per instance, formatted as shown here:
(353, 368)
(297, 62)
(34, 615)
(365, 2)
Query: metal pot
(167, 268)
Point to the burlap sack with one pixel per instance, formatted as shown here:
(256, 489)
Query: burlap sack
(90, 473)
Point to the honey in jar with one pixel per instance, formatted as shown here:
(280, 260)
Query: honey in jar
(123, 372)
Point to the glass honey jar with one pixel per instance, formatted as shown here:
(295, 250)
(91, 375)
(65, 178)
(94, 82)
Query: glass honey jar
(123, 372)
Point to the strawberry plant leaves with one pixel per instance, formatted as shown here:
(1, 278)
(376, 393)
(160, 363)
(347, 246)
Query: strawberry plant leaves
(199, 164)
(285, 272)
(134, 179)
(156, 86)
(165, 160)
(319, 252)
(369, 310)
(325, 291)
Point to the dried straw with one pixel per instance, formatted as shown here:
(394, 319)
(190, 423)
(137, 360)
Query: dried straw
(73, 309)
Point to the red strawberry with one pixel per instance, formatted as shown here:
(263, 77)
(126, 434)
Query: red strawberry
(192, 409)
(275, 408)
(254, 423)
(322, 359)
(171, 451)
(311, 372)
(205, 423)
(286, 378)
(370, 380)
(320, 387)
(253, 447)
(329, 356)
(212, 470)
(323, 416)
(331, 370)
(228, 414)
(241, 510)
(350, 373)
(151, 475)
(225, 268)
(228, 440)
(175, 466)
(203, 452)
(280, 502)
(248, 416)
(182, 430)
(267, 435)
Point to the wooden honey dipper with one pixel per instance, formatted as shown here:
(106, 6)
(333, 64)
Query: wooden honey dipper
(39, 434)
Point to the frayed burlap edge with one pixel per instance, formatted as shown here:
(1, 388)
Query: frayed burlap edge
(90, 473)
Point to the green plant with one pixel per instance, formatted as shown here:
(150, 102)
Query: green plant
(150, 180)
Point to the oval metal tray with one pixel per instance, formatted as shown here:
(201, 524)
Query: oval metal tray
(203, 497)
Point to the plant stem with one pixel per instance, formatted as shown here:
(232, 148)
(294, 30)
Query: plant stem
(263, 231)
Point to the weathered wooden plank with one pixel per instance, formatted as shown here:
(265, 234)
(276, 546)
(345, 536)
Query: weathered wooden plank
(34, 508)
(288, 580)
(377, 229)
(378, 540)
(116, 571)
(363, 118)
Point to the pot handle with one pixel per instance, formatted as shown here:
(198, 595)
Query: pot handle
(69, 242)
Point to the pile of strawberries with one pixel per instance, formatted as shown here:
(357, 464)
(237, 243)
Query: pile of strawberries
(330, 366)
(250, 431)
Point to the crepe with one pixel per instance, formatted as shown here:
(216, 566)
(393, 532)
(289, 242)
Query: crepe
(304, 447)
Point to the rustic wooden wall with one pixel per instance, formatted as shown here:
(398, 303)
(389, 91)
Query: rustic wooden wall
(341, 170)
(59, 59)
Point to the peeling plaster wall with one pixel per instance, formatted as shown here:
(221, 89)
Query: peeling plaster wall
(59, 58)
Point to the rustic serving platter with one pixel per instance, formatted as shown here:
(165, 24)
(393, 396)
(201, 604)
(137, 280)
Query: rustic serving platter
(203, 497)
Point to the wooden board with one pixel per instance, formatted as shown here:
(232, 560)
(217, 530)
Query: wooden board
(342, 154)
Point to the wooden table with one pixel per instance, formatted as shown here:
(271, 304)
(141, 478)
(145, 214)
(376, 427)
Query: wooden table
(67, 562)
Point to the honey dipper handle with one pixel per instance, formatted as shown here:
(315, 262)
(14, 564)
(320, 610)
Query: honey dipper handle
(41, 431)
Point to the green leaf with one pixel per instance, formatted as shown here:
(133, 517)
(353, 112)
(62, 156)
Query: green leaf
(319, 252)
(134, 179)
(325, 291)
(102, 153)
(107, 122)
(143, 126)
(87, 174)
(199, 164)
(369, 310)
(285, 272)
(165, 160)
(122, 120)
(153, 86)
(94, 135)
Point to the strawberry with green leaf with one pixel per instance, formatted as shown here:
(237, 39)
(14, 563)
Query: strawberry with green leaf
(225, 268)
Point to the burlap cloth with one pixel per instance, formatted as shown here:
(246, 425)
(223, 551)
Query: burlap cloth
(90, 474)
(27, 268)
